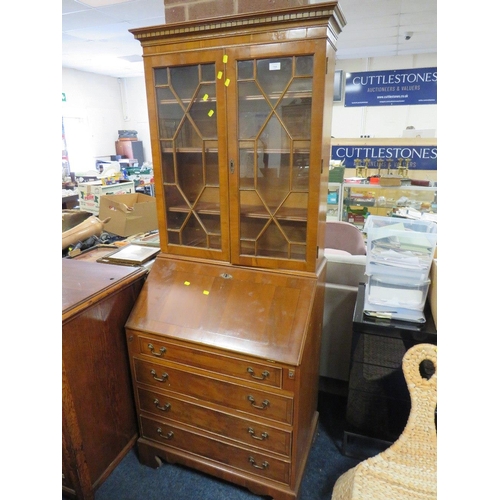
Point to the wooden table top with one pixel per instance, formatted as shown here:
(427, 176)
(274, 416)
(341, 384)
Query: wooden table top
(83, 283)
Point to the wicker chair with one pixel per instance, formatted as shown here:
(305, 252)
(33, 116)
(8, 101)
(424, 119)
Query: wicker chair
(407, 470)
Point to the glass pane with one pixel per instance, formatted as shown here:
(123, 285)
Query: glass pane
(251, 231)
(294, 207)
(300, 88)
(193, 234)
(215, 241)
(245, 70)
(296, 112)
(211, 162)
(207, 73)
(274, 112)
(272, 180)
(203, 111)
(295, 231)
(161, 77)
(298, 252)
(188, 136)
(209, 202)
(251, 205)
(174, 199)
(210, 223)
(174, 237)
(253, 110)
(273, 75)
(272, 242)
(167, 159)
(300, 170)
(190, 175)
(187, 124)
(304, 65)
(175, 220)
(170, 113)
(184, 81)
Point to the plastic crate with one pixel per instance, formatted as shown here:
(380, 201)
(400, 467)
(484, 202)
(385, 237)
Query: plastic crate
(398, 293)
(400, 247)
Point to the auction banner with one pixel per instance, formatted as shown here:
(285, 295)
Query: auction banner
(420, 157)
(391, 87)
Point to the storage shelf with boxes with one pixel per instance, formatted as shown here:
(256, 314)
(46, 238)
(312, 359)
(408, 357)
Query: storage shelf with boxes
(400, 253)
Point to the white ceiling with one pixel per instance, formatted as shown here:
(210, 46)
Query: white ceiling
(97, 39)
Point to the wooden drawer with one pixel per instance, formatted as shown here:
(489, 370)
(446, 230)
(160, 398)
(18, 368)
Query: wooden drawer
(227, 394)
(248, 432)
(263, 373)
(237, 457)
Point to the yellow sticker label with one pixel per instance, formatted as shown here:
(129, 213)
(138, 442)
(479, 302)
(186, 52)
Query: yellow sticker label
(205, 97)
(187, 283)
(219, 75)
(205, 292)
(224, 59)
(226, 83)
(211, 112)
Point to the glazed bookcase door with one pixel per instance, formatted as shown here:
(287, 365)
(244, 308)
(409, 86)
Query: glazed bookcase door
(188, 121)
(274, 165)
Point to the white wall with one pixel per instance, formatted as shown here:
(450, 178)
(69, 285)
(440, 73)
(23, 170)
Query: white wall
(97, 107)
(384, 121)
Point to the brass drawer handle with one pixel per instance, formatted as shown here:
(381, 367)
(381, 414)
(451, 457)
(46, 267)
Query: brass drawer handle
(169, 435)
(163, 378)
(262, 437)
(264, 465)
(265, 403)
(165, 407)
(265, 374)
(163, 350)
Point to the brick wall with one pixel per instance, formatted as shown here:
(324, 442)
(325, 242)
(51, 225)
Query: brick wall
(190, 10)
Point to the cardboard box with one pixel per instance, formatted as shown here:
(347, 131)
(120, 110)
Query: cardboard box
(129, 213)
(90, 193)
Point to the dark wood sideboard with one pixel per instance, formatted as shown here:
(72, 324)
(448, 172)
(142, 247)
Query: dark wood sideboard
(98, 416)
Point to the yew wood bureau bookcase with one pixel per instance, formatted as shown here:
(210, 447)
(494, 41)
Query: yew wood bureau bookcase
(224, 338)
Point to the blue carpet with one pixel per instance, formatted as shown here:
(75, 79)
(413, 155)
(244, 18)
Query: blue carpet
(133, 481)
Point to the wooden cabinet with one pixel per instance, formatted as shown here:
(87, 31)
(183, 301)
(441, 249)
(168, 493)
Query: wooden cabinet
(131, 149)
(99, 421)
(240, 120)
(224, 338)
(224, 361)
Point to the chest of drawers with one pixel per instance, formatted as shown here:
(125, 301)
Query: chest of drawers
(224, 364)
